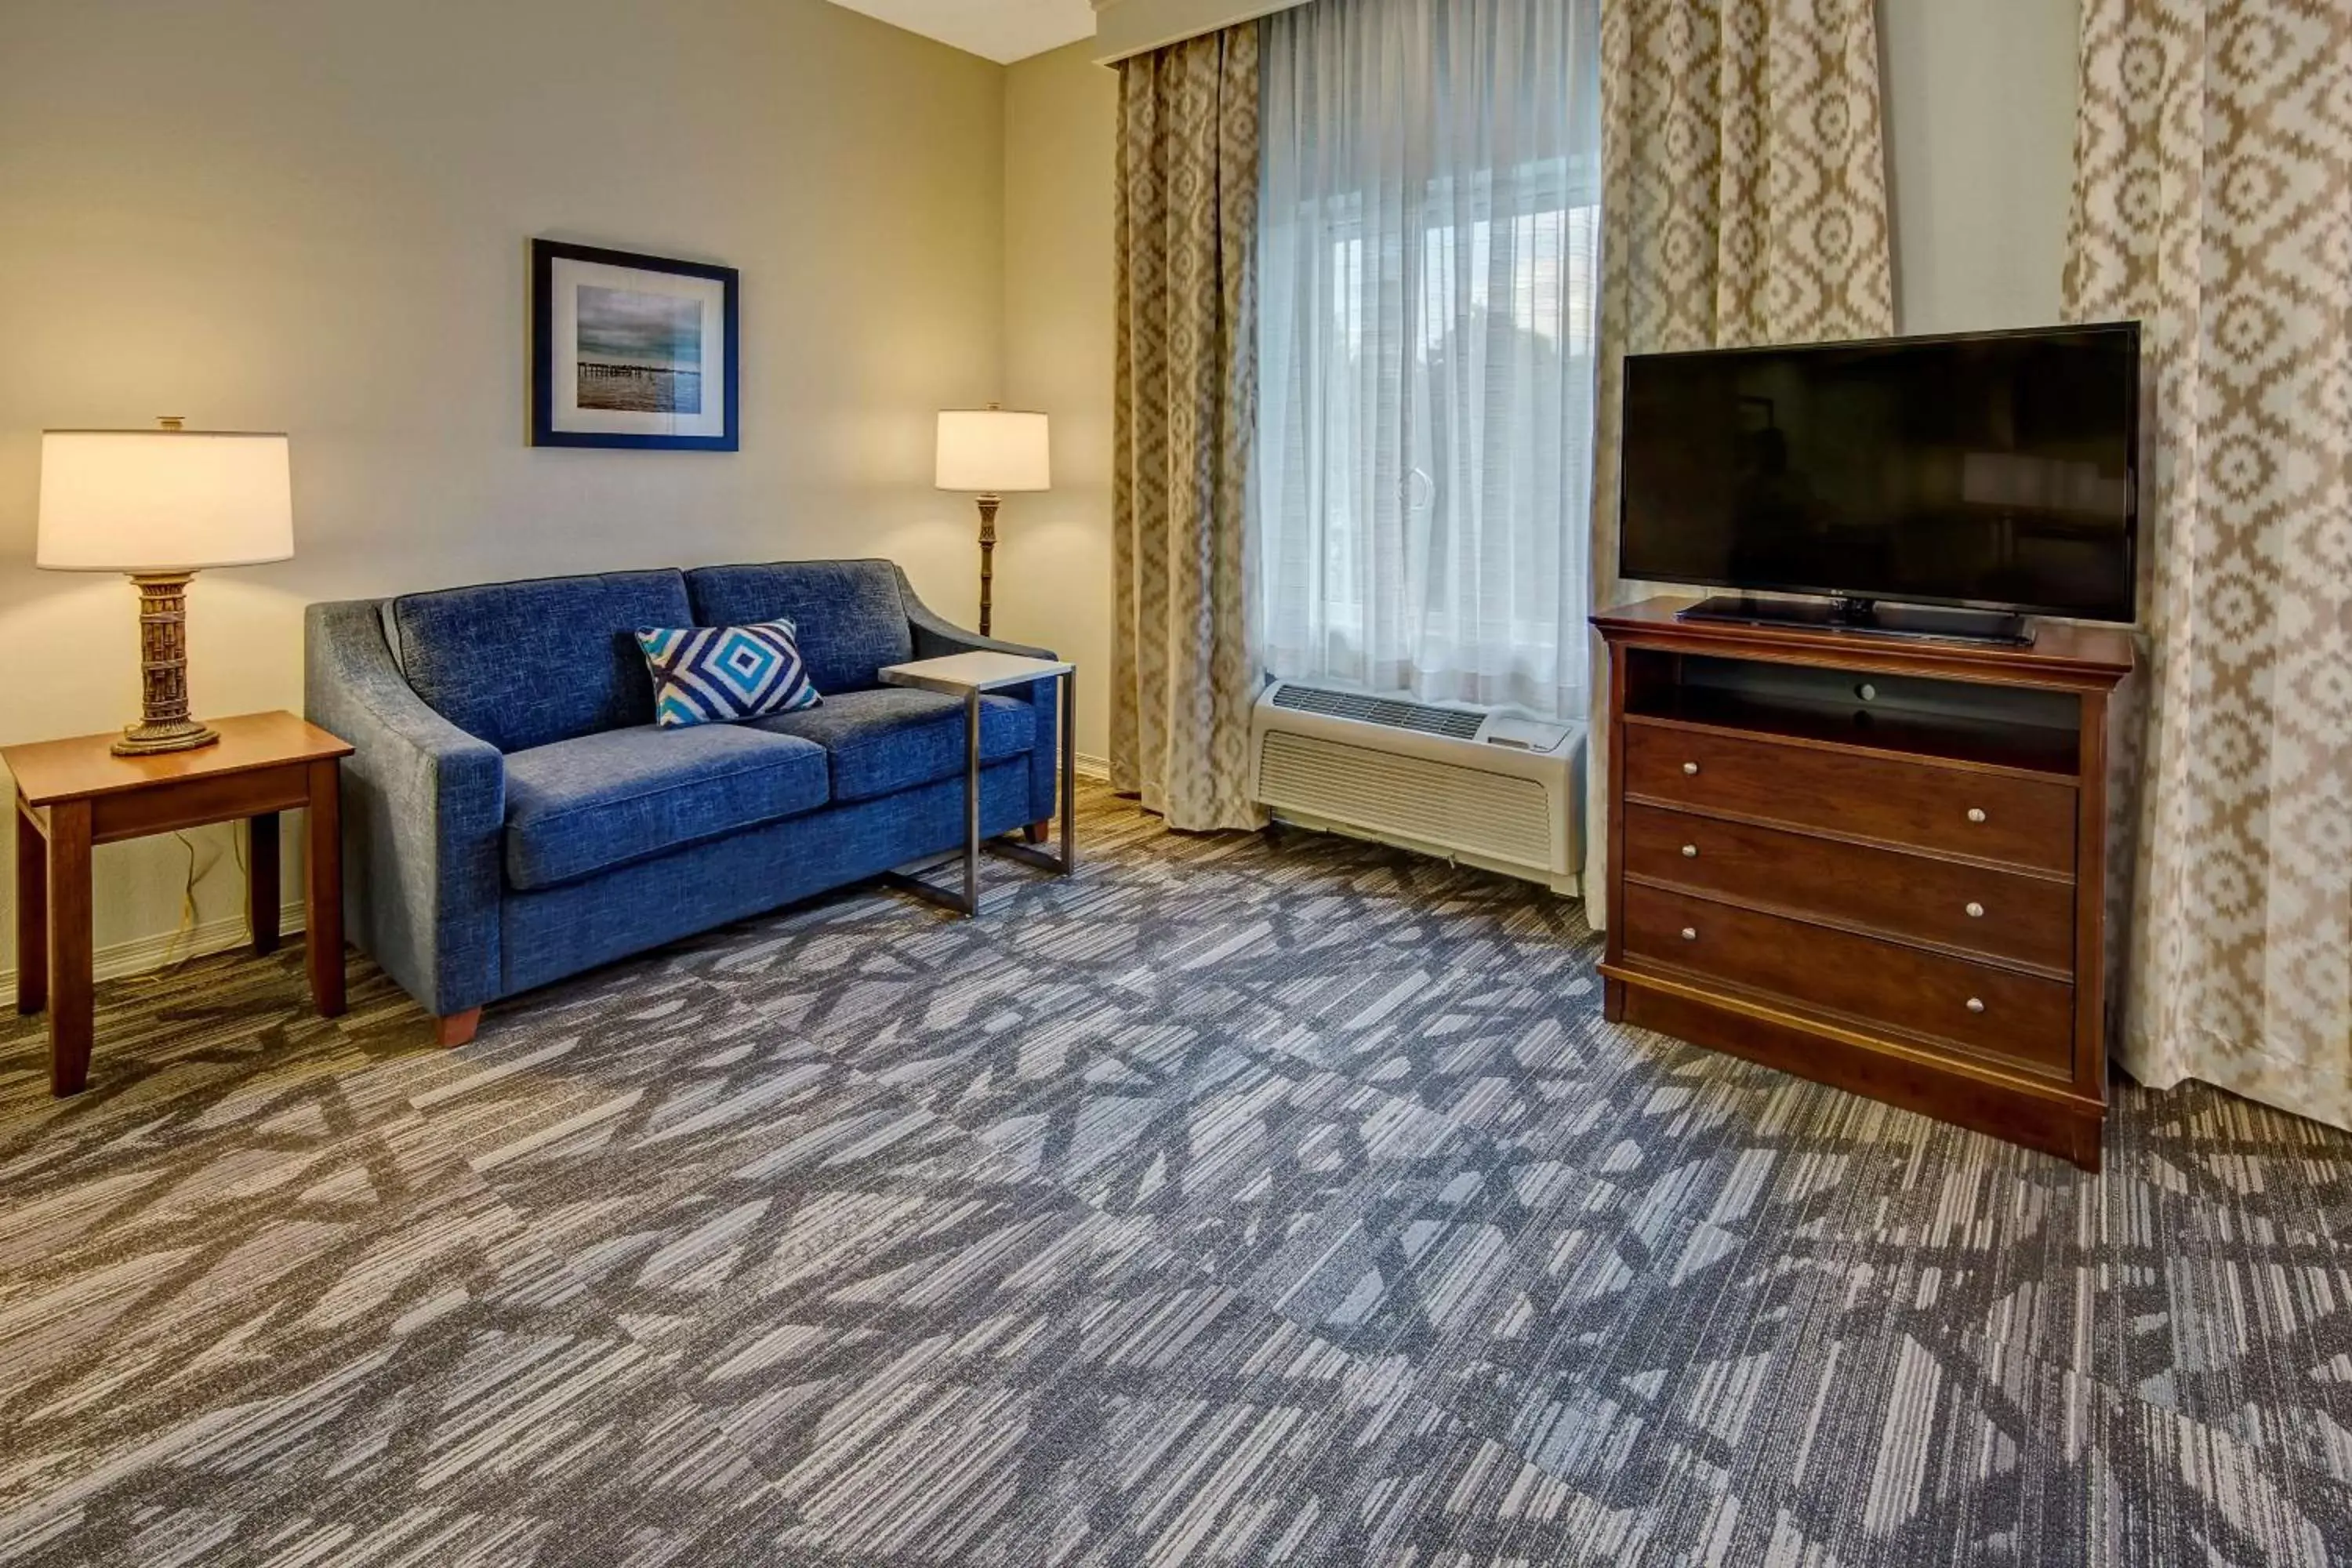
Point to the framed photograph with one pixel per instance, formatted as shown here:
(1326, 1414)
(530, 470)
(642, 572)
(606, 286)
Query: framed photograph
(631, 351)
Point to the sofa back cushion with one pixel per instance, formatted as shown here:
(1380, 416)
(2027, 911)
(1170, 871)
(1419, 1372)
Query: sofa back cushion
(848, 614)
(528, 664)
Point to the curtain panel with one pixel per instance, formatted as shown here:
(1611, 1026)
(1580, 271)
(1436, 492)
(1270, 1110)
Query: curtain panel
(2213, 202)
(1426, 287)
(1185, 664)
(1744, 201)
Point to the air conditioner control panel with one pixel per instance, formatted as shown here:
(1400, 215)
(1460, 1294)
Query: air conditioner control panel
(1524, 734)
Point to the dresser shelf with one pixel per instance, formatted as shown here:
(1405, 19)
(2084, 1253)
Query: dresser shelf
(1877, 865)
(1990, 745)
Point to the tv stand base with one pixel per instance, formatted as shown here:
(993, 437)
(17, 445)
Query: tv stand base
(1865, 617)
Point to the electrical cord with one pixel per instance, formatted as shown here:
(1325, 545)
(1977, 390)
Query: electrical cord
(174, 960)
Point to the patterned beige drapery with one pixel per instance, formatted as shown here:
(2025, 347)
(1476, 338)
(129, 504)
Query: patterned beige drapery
(2213, 202)
(1184, 671)
(1744, 201)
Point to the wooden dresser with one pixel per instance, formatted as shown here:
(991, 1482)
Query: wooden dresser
(1876, 863)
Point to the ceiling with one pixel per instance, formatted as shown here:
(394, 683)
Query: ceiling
(1000, 30)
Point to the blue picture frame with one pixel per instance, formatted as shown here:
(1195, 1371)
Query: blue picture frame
(652, 346)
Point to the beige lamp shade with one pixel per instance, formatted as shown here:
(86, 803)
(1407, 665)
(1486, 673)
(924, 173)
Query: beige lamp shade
(991, 450)
(153, 501)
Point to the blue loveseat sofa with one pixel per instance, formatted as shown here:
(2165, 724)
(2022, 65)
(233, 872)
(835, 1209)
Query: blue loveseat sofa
(512, 815)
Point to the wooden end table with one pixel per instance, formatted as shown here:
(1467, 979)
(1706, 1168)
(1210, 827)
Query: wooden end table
(74, 795)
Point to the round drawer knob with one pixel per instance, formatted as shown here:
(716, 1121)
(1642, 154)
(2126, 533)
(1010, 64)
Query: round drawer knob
(1690, 934)
(1690, 767)
(1976, 1004)
(1690, 851)
(1976, 814)
(1975, 911)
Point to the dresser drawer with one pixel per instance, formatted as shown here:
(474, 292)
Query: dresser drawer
(1997, 1012)
(1952, 811)
(2002, 915)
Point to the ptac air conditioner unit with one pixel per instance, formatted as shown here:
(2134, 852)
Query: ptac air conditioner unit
(1481, 787)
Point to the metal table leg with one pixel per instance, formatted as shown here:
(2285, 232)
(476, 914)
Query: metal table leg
(1068, 736)
(972, 802)
(1067, 861)
(910, 878)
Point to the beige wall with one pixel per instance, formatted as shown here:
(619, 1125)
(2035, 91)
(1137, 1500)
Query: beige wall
(1980, 128)
(314, 217)
(1052, 581)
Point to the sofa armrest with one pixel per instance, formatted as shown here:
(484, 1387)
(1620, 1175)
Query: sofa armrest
(423, 815)
(936, 637)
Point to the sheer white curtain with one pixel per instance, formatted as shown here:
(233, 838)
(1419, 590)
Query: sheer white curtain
(1426, 292)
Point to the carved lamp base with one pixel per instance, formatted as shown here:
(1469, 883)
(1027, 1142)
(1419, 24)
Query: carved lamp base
(164, 724)
(145, 739)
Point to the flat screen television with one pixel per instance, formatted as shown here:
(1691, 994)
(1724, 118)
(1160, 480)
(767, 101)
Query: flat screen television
(1990, 471)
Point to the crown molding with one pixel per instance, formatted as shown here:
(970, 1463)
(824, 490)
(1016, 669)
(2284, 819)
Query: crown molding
(1128, 27)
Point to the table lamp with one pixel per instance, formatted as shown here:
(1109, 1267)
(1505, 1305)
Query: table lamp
(161, 505)
(989, 451)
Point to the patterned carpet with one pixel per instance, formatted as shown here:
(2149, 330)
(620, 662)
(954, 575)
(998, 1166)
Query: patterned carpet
(1242, 1200)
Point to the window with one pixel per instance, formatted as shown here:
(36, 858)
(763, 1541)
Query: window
(1427, 275)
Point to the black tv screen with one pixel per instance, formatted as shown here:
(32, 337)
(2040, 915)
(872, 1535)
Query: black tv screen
(1997, 470)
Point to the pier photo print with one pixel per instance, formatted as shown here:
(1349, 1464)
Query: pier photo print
(639, 353)
(630, 350)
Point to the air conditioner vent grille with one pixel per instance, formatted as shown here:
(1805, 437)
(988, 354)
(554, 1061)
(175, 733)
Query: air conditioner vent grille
(1388, 712)
(1465, 809)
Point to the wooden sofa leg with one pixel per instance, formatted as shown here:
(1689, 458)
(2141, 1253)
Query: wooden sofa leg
(457, 1029)
(1036, 832)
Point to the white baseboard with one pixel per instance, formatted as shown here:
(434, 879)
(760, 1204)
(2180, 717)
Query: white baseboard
(1092, 767)
(142, 954)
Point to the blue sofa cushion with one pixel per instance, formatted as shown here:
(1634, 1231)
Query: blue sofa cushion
(587, 805)
(717, 675)
(894, 737)
(528, 664)
(850, 617)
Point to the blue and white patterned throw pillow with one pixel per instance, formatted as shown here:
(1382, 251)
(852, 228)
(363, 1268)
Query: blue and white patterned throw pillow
(715, 675)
